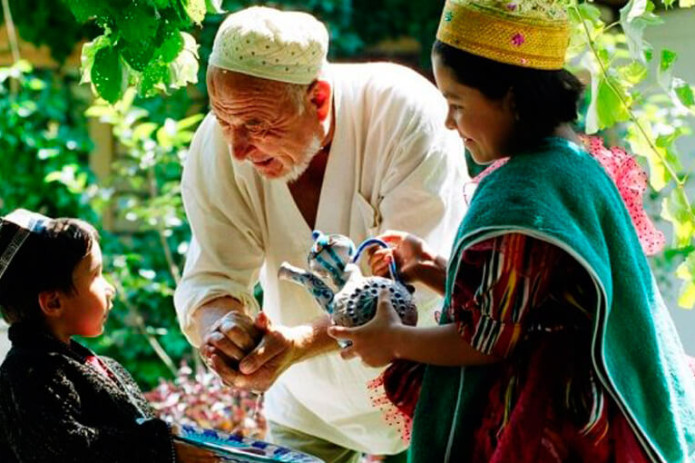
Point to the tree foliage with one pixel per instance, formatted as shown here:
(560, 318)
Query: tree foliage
(634, 91)
(153, 46)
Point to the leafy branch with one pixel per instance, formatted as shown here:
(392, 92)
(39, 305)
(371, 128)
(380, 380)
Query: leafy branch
(143, 44)
(614, 92)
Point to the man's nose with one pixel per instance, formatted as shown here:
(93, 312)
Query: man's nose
(240, 145)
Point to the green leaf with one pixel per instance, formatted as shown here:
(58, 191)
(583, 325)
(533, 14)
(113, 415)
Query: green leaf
(665, 71)
(84, 10)
(89, 51)
(634, 18)
(675, 210)
(161, 4)
(138, 23)
(686, 272)
(184, 69)
(171, 46)
(154, 77)
(214, 6)
(640, 146)
(668, 57)
(195, 9)
(589, 12)
(144, 131)
(606, 107)
(137, 55)
(633, 73)
(109, 74)
(684, 92)
(189, 122)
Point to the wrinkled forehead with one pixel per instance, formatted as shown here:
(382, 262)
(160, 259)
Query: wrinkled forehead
(235, 94)
(225, 84)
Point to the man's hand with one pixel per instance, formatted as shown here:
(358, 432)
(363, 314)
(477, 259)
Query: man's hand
(229, 340)
(277, 351)
(251, 354)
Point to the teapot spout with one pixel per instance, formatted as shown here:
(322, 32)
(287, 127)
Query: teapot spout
(320, 290)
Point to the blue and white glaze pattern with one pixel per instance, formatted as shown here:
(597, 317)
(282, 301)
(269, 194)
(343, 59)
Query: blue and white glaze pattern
(238, 449)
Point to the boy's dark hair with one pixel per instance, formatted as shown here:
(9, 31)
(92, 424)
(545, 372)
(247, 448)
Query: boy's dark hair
(45, 262)
(544, 99)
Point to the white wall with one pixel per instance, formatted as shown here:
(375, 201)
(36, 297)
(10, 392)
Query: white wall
(678, 34)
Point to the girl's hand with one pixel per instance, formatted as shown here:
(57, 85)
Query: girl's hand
(409, 252)
(375, 342)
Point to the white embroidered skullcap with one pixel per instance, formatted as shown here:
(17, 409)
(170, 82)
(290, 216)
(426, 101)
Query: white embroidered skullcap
(286, 46)
(25, 222)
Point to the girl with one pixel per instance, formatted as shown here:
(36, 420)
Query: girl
(59, 402)
(554, 344)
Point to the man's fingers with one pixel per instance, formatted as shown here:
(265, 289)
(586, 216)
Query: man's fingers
(224, 346)
(227, 373)
(238, 335)
(269, 347)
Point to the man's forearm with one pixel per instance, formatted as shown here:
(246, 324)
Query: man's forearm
(312, 339)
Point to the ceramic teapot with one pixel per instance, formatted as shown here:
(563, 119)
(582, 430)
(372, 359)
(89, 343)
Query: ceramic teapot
(338, 285)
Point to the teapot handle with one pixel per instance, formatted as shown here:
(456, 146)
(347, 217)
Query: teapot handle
(370, 242)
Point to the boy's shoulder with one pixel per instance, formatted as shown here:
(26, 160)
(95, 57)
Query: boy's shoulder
(23, 364)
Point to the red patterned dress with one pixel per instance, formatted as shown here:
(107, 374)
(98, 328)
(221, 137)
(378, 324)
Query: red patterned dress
(531, 304)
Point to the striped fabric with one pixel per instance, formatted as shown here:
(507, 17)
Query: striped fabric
(525, 300)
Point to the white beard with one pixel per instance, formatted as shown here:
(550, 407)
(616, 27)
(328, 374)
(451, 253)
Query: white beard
(298, 169)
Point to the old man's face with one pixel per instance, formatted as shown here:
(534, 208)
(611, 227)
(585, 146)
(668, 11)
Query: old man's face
(269, 124)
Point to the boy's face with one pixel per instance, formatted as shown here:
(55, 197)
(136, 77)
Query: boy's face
(86, 309)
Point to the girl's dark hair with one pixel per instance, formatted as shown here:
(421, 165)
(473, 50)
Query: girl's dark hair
(45, 262)
(544, 99)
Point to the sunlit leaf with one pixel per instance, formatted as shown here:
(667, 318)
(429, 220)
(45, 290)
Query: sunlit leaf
(634, 18)
(686, 272)
(89, 51)
(633, 73)
(214, 6)
(675, 210)
(189, 122)
(640, 146)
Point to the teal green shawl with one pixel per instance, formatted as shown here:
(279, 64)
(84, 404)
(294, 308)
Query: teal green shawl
(560, 194)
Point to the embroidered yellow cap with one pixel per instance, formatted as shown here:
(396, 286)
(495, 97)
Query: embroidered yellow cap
(527, 33)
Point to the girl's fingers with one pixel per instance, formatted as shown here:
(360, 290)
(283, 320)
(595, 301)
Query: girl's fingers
(348, 353)
(340, 332)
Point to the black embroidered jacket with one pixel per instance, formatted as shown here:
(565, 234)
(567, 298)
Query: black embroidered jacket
(55, 407)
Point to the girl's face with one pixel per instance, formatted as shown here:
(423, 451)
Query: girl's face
(486, 126)
(85, 310)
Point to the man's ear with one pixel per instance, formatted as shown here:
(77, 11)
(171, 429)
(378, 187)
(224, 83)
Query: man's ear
(320, 94)
(51, 303)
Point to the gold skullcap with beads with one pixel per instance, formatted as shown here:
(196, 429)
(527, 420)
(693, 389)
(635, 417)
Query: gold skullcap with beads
(527, 33)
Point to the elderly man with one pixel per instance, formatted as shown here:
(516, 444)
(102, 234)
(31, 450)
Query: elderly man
(295, 144)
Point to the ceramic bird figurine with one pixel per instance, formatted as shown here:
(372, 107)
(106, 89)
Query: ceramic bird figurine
(337, 283)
